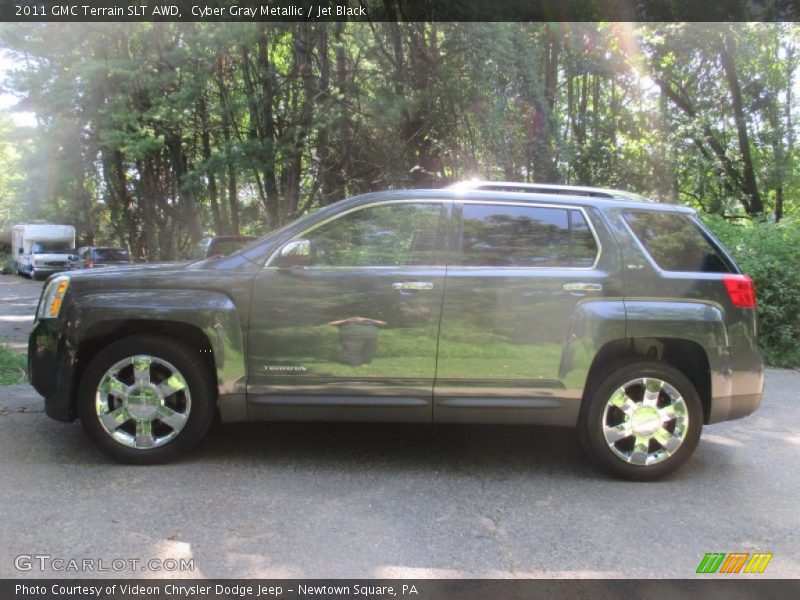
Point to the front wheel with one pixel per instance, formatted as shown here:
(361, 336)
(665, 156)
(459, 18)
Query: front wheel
(642, 421)
(146, 399)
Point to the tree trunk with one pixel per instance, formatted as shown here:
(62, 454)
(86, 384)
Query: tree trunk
(233, 199)
(183, 189)
(202, 107)
(750, 186)
(148, 193)
(543, 117)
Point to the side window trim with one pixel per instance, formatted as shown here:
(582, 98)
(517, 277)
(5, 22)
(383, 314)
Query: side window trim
(457, 227)
(447, 204)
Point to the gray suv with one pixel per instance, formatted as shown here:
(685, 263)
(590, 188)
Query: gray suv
(481, 303)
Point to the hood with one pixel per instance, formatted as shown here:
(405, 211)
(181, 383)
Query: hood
(131, 270)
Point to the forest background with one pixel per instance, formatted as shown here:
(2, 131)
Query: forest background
(153, 135)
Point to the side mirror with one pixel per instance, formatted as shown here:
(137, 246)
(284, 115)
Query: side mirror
(20, 251)
(296, 253)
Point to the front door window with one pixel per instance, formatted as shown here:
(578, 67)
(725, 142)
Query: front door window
(387, 235)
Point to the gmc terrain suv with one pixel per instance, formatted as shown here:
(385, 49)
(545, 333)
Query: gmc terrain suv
(481, 303)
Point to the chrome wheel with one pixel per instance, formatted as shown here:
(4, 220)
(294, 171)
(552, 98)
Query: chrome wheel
(645, 421)
(142, 402)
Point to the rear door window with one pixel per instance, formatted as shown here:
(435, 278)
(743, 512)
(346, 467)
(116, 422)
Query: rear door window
(676, 243)
(496, 235)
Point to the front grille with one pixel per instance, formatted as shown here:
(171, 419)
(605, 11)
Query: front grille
(55, 263)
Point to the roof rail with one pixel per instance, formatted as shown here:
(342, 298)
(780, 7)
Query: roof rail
(545, 188)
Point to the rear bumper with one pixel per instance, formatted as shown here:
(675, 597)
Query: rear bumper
(728, 408)
(51, 362)
(737, 383)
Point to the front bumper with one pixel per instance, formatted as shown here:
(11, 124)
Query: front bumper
(51, 364)
(50, 269)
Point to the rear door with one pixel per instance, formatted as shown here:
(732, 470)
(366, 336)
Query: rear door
(518, 275)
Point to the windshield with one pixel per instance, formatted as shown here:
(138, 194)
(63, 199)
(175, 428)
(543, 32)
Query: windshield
(57, 247)
(225, 247)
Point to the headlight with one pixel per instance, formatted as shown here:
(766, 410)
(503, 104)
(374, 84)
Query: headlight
(52, 297)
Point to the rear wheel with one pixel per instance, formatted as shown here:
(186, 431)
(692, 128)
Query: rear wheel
(642, 421)
(146, 399)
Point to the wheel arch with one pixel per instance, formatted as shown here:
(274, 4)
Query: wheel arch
(687, 356)
(103, 333)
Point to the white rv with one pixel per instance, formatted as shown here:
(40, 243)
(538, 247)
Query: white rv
(42, 248)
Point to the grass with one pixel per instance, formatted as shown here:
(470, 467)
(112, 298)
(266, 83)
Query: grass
(12, 366)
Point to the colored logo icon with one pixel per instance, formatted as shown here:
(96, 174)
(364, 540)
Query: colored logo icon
(734, 562)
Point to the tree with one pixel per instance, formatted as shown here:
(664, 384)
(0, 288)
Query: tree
(151, 135)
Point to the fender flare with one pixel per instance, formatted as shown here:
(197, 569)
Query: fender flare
(213, 313)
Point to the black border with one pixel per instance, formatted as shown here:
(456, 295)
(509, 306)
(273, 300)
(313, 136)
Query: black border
(733, 588)
(411, 10)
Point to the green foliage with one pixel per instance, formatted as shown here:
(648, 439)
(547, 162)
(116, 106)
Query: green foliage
(12, 366)
(770, 254)
(11, 173)
(151, 135)
(6, 262)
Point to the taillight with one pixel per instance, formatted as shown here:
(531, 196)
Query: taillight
(89, 264)
(741, 290)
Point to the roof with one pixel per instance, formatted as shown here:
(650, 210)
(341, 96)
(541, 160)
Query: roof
(562, 195)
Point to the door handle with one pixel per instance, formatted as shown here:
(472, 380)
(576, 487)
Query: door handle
(412, 286)
(582, 286)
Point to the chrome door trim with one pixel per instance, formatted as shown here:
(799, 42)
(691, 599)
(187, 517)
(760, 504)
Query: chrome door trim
(452, 202)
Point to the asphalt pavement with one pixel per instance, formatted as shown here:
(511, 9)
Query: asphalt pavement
(273, 500)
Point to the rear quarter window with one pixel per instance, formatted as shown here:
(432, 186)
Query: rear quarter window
(676, 242)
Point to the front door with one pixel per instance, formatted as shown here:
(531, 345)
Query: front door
(352, 334)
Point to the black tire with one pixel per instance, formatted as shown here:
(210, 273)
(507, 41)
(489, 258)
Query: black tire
(595, 417)
(189, 365)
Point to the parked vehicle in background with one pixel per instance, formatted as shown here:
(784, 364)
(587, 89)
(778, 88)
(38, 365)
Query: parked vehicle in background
(41, 249)
(221, 245)
(571, 307)
(92, 257)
